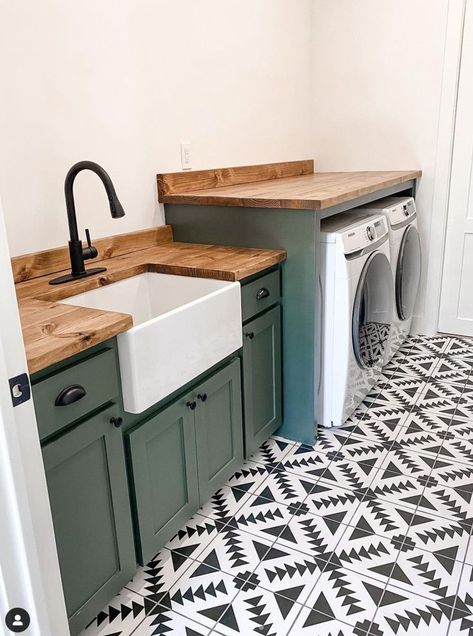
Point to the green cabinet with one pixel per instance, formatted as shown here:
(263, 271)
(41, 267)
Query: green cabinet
(87, 483)
(262, 378)
(163, 461)
(181, 455)
(218, 428)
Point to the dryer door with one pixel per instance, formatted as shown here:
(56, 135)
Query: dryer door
(408, 273)
(372, 312)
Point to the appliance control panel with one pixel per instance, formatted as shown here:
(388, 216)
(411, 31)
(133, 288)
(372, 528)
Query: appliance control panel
(404, 209)
(363, 234)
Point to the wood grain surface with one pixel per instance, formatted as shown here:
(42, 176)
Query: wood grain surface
(177, 182)
(50, 261)
(316, 191)
(53, 331)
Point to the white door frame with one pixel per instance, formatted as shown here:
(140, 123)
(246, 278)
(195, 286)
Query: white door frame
(428, 323)
(29, 569)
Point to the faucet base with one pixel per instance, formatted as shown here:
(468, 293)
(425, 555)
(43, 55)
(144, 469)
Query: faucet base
(67, 278)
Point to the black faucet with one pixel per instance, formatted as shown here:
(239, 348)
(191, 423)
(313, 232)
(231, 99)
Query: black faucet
(77, 252)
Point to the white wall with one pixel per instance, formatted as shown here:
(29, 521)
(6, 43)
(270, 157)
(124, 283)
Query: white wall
(377, 69)
(122, 82)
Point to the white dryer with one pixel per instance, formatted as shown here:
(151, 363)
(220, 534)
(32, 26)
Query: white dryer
(406, 260)
(357, 306)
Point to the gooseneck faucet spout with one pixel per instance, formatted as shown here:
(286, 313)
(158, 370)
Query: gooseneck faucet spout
(78, 254)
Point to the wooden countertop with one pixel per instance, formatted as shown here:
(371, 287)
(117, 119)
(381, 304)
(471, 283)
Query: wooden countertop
(53, 331)
(291, 185)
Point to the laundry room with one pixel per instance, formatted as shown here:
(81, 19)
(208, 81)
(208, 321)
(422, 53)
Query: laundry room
(236, 326)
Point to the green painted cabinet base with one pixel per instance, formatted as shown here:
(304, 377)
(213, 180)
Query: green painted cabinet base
(86, 476)
(262, 384)
(181, 455)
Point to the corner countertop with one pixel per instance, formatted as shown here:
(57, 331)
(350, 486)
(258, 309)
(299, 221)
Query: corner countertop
(288, 185)
(54, 331)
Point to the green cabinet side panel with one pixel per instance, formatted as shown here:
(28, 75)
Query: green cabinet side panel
(218, 425)
(164, 474)
(296, 231)
(262, 382)
(86, 477)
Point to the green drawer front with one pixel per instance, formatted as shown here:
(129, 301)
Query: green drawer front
(97, 375)
(260, 294)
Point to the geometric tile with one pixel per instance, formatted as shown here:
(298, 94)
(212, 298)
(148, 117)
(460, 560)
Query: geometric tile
(439, 535)
(331, 500)
(446, 472)
(234, 552)
(425, 420)
(285, 487)
(250, 476)
(225, 503)
(314, 536)
(407, 461)
(272, 451)
(203, 595)
(367, 532)
(155, 579)
(339, 595)
(260, 611)
(305, 460)
(348, 474)
(382, 432)
(436, 345)
(365, 451)
(366, 554)
(164, 621)
(291, 570)
(403, 612)
(122, 616)
(439, 397)
(262, 517)
(452, 369)
(431, 574)
(450, 504)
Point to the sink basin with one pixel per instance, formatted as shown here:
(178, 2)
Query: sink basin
(181, 327)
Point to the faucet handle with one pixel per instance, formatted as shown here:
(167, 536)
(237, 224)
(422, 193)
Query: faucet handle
(90, 251)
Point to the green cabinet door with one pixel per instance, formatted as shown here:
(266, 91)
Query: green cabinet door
(163, 461)
(262, 378)
(88, 492)
(218, 425)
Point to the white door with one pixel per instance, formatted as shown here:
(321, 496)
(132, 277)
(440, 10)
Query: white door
(29, 569)
(456, 303)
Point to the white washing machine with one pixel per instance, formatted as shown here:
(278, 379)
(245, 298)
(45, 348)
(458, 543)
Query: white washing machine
(406, 260)
(356, 291)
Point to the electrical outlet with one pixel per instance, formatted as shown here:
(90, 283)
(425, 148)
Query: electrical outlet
(186, 156)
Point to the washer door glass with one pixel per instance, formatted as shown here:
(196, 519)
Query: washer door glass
(408, 273)
(372, 312)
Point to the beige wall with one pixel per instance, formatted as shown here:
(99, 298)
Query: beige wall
(122, 82)
(377, 70)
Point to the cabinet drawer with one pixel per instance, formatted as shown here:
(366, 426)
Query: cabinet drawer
(260, 294)
(70, 393)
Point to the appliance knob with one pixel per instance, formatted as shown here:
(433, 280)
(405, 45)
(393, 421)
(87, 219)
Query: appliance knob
(370, 233)
(406, 210)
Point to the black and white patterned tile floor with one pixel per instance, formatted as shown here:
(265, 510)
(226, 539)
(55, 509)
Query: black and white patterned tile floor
(368, 532)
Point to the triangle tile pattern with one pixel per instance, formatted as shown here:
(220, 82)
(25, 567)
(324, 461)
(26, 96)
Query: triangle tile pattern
(368, 532)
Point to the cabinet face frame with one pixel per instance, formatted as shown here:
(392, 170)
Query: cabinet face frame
(254, 385)
(98, 429)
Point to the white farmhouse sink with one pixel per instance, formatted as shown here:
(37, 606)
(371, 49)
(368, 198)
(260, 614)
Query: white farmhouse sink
(181, 327)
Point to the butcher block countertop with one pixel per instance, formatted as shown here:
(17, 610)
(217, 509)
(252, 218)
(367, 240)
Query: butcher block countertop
(288, 185)
(53, 331)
